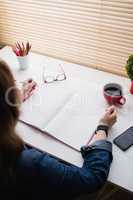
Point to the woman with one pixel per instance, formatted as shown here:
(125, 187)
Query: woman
(30, 174)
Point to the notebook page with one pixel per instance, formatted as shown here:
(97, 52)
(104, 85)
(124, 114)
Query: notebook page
(76, 122)
(46, 102)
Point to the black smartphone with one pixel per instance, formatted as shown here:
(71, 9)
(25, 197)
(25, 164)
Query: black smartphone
(125, 140)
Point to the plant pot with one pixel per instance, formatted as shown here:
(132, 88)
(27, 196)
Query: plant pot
(131, 87)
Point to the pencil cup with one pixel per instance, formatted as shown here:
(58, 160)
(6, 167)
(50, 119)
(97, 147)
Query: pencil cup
(23, 62)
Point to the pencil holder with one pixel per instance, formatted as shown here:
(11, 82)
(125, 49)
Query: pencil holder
(23, 62)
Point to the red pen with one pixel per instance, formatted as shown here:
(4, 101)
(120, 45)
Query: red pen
(30, 92)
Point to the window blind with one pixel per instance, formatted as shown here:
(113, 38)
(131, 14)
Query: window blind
(94, 33)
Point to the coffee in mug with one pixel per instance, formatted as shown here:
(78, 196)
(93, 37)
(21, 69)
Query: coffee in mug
(113, 94)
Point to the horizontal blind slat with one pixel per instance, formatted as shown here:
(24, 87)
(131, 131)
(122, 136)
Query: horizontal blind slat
(116, 11)
(95, 45)
(64, 25)
(93, 20)
(123, 18)
(50, 30)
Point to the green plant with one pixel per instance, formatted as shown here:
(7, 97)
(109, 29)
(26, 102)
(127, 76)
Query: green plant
(129, 67)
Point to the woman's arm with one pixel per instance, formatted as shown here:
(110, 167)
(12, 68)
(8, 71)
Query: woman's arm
(66, 179)
(70, 180)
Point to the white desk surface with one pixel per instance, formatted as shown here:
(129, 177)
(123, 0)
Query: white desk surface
(121, 168)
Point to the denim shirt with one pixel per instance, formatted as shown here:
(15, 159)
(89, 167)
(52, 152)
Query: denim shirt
(40, 176)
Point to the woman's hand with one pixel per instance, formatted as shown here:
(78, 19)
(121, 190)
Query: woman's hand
(27, 89)
(109, 118)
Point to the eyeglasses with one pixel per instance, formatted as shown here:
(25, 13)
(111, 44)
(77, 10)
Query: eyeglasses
(59, 77)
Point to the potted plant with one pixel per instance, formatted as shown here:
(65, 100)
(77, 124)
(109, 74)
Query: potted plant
(129, 70)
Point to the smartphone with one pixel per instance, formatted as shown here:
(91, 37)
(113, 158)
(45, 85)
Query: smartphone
(125, 140)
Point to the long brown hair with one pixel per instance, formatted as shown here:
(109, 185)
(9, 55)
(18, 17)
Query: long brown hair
(10, 143)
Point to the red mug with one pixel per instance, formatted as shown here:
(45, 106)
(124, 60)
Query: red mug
(113, 94)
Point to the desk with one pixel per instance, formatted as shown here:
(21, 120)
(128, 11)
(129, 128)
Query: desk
(121, 168)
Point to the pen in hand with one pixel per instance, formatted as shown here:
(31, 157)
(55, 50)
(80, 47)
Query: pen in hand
(27, 90)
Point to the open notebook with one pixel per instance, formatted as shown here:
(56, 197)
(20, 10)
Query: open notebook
(65, 110)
